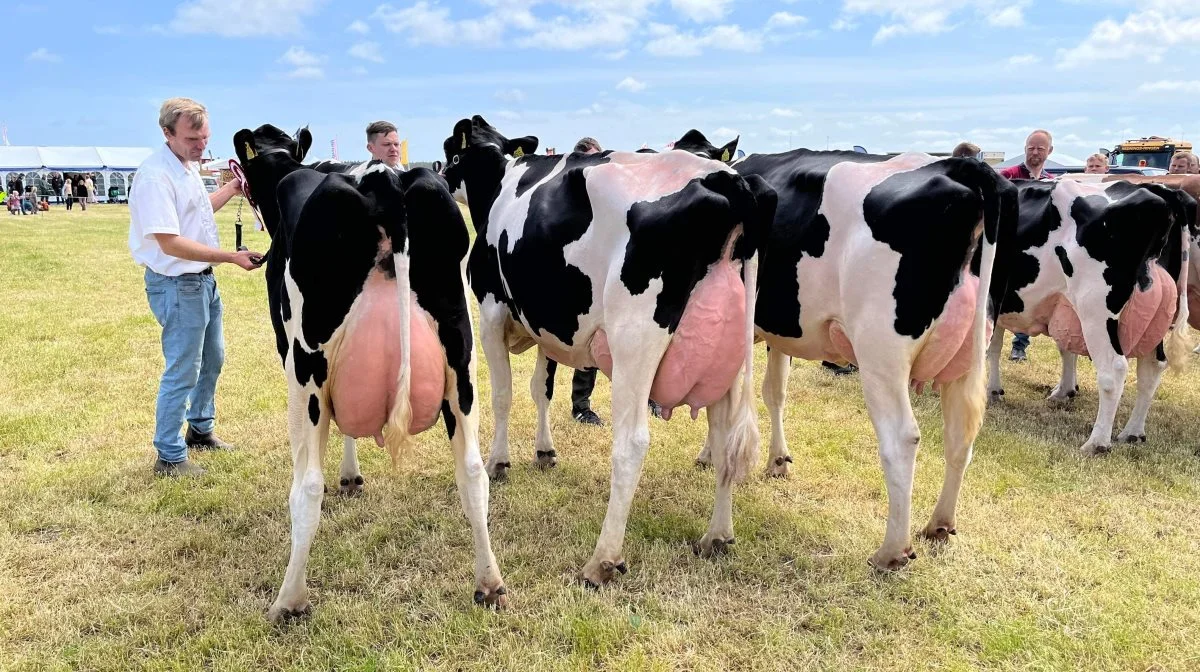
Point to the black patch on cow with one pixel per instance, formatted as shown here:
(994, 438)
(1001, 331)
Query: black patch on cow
(694, 223)
(551, 367)
(797, 230)
(1062, 259)
(537, 167)
(1124, 235)
(543, 289)
(1159, 353)
(448, 416)
(285, 305)
(309, 365)
(1114, 335)
(314, 409)
(1015, 267)
(930, 219)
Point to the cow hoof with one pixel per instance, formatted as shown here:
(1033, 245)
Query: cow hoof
(711, 548)
(1090, 450)
(883, 563)
(703, 461)
(498, 471)
(597, 574)
(1131, 438)
(939, 533)
(279, 614)
(545, 459)
(351, 487)
(779, 467)
(492, 599)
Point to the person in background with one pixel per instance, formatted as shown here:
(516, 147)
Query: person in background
(173, 234)
(81, 193)
(1097, 164)
(966, 150)
(68, 194)
(91, 189)
(1038, 147)
(1183, 163)
(584, 380)
(383, 142)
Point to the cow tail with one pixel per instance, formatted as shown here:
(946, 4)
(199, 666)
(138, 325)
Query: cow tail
(741, 451)
(1176, 345)
(396, 435)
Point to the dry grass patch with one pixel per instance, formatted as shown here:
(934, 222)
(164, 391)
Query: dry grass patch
(1062, 563)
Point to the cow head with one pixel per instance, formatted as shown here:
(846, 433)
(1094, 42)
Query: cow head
(476, 155)
(267, 155)
(694, 141)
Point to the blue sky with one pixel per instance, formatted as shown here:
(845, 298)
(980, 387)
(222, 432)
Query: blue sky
(890, 75)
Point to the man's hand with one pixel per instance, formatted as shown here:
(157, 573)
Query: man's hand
(248, 259)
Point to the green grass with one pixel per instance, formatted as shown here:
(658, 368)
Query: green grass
(1061, 563)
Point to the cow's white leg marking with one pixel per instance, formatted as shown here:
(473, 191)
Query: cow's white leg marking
(962, 415)
(885, 386)
(472, 481)
(720, 527)
(774, 391)
(1111, 369)
(544, 455)
(1149, 374)
(1068, 383)
(350, 480)
(492, 317)
(704, 459)
(995, 386)
(636, 352)
(308, 489)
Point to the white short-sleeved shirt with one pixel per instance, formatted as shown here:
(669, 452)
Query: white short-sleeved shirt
(168, 197)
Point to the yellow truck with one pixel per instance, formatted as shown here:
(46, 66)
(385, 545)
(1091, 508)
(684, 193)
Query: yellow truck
(1151, 152)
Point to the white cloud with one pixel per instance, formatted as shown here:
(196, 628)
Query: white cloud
(616, 55)
(631, 85)
(667, 40)
(1192, 86)
(1008, 17)
(784, 112)
(306, 64)
(510, 96)
(358, 26)
(701, 11)
(929, 17)
(785, 20)
(1154, 32)
(843, 23)
(424, 23)
(242, 18)
(43, 54)
(368, 51)
(1023, 60)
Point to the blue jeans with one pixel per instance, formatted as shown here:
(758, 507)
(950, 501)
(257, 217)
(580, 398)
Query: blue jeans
(1020, 341)
(188, 308)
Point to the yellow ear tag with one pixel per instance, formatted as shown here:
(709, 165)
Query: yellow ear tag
(725, 156)
(250, 153)
(518, 153)
(464, 145)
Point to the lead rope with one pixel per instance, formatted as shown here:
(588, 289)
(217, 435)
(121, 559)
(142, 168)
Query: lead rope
(237, 226)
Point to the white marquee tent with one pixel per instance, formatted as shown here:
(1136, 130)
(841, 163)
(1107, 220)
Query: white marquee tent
(111, 166)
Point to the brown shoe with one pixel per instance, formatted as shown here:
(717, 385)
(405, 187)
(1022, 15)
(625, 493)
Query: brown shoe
(204, 441)
(186, 469)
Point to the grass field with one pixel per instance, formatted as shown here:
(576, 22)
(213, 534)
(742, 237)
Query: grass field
(1061, 562)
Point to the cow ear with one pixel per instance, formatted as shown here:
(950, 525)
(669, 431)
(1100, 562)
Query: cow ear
(729, 150)
(462, 134)
(243, 145)
(303, 142)
(519, 147)
(480, 121)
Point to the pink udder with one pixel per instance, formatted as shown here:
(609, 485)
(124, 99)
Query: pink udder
(947, 352)
(1142, 325)
(707, 350)
(368, 362)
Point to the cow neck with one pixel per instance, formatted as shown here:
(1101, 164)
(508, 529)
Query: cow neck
(275, 168)
(482, 190)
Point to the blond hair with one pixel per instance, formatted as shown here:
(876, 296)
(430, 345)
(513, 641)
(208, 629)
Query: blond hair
(1097, 155)
(1188, 156)
(174, 108)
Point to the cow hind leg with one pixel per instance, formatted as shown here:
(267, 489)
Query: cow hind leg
(635, 361)
(541, 388)
(774, 391)
(1111, 368)
(719, 535)
(1150, 371)
(995, 386)
(888, 404)
(308, 429)
(1068, 384)
(962, 415)
(350, 481)
(492, 317)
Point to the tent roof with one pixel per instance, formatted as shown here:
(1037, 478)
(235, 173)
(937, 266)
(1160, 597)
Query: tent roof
(72, 158)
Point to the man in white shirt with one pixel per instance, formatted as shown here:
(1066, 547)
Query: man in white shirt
(173, 234)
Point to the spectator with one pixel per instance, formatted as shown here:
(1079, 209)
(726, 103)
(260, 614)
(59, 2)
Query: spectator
(91, 189)
(1183, 163)
(1097, 164)
(68, 195)
(383, 142)
(966, 150)
(29, 202)
(81, 193)
(1038, 147)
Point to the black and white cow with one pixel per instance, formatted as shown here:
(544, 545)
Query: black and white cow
(696, 143)
(626, 262)
(1102, 269)
(367, 299)
(884, 263)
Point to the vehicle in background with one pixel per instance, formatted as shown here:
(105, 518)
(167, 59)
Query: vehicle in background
(1151, 152)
